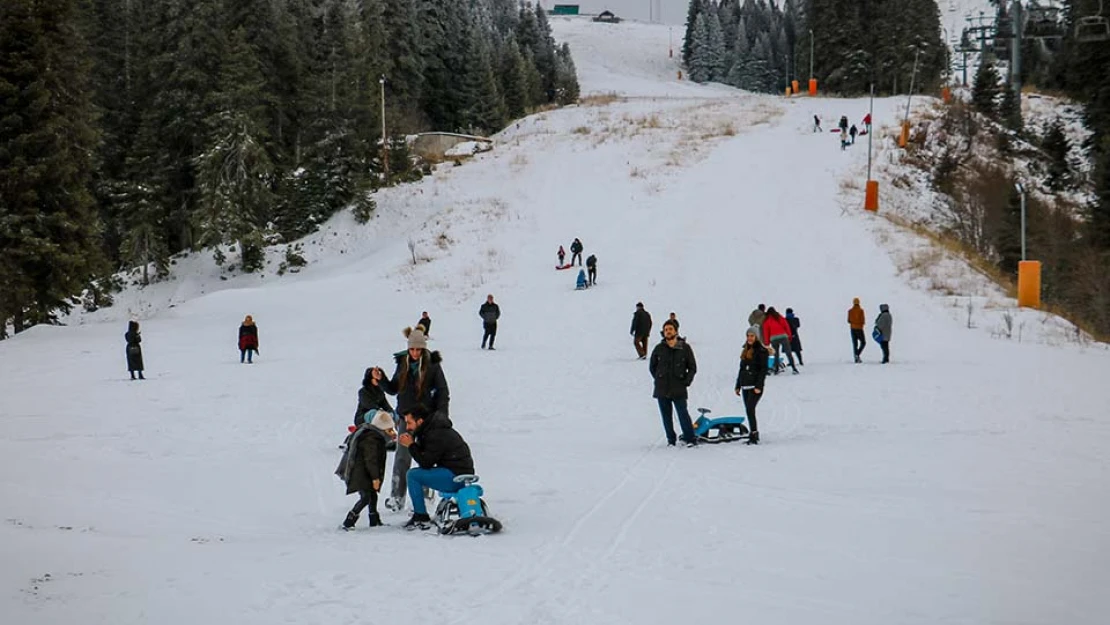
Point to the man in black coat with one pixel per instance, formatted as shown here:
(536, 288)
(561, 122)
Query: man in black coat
(576, 252)
(591, 268)
(490, 313)
(640, 330)
(441, 454)
(426, 323)
(673, 366)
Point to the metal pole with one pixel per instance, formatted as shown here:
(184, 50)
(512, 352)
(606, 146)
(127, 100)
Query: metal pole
(385, 145)
(1022, 221)
(870, 112)
(1015, 65)
(912, 78)
(811, 54)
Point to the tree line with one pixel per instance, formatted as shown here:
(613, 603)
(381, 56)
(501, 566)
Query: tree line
(131, 130)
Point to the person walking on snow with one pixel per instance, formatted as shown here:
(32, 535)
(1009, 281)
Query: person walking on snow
(562, 255)
(867, 123)
(640, 330)
(248, 340)
(591, 268)
(363, 466)
(490, 313)
(576, 252)
(844, 123)
(673, 367)
(884, 325)
(750, 379)
(843, 140)
(776, 331)
(856, 321)
(816, 124)
(795, 340)
(852, 133)
(426, 323)
(440, 454)
(418, 379)
(134, 351)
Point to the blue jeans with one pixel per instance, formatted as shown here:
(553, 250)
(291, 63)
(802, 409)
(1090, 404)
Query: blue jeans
(665, 410)
(439, 479)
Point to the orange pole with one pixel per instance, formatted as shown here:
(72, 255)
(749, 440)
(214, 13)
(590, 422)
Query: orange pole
(1029, 283)
(871, 200)
(813, 86)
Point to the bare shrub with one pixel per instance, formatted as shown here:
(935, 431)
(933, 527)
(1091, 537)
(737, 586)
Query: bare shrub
(412, 249)
(581, 130)
(600, 99)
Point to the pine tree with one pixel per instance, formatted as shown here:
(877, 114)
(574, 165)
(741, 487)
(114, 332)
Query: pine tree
(482, 107)
(985, 91)
(1056, 147)
(568, 89)
(701, 59)
(695, 9)
(514, 80)
(1009, 111)
(715, 48)
(48, 232)
(1098, 210)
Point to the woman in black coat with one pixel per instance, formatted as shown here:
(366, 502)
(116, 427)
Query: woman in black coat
(749, 381)
(134, 350)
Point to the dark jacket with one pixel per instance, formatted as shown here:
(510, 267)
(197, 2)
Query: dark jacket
(673, 369)
(641, 323)
(795, 340)
(884, 322)
(364, 460)
(248, 337)
(370, 397)
(134, 351)
(437, 444)
(576, 247)
(426, 323)
(591, 261)
(489, 313)
(753, 372)
(427, 386)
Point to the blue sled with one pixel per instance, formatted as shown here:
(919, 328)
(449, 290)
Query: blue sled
(464, 511)
(719, 430)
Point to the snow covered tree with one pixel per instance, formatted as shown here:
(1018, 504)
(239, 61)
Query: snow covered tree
(715, 49)
(1009, 111)
(567, 88)
(701, 64)
(985, 90)
(514, 80)
(1056, 147)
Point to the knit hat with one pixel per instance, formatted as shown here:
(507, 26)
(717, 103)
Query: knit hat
(382, 420)
(417, 339)
(755, 331)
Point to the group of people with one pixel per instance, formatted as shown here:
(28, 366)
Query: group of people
(133, 350)
(586, 277)
(881, 333)
(848, 131)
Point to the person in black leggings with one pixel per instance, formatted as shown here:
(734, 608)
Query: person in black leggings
(749, 381)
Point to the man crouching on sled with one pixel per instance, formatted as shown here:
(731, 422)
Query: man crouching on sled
(441, 454)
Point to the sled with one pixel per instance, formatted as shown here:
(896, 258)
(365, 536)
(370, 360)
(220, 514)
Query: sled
(720, 430)
(567, 266)
(464, 511)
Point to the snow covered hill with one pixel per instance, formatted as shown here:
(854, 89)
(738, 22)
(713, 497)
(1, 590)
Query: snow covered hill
(963, 483)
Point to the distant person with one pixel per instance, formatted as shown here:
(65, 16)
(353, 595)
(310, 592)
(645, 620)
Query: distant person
(884, 325)
(795, 340)
(134, 350)
(867, 123)
(490, 313)
(757, 316)
(640, 330)
(776, 332)
(426, 323)
(591, 268)
(750, 379)
(248, 340)
(673, 367)
(363, 466)
(816, 124)
(852, 133)
(674, 318)
(843, 123)
(582, 284)
(856, 321)
(843, 140)
(562, 255)
(576, 252)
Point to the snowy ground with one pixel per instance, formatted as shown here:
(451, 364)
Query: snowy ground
(964, 483)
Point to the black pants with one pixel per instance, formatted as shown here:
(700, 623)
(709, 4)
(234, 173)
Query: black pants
(247, 353)
(858, 342)
(577, 255)
(491, 333)
(751, 398)
(592, 271)
(366, 499)
(885, 345)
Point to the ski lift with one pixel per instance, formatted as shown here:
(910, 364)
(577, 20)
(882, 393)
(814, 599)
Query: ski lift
(1092, 28)
(1043, 23)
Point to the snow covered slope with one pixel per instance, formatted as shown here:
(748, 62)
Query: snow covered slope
(963, 483)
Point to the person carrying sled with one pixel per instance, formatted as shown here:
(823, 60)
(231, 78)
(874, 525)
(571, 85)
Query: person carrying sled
(562, 255)
(852, 133)
(673, 367)
(777, 333)
(426, 323)
(248, 340)
(134, 351)
(640, 330)
(418, 379)
(490, 313)
(884, 325)
(750, 379)
(795, 340)
(362, 467)
(576, 252)
(856, 321)
(591, 268)
(440, 453)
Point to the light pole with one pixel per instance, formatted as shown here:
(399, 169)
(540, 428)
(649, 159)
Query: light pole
(870, 112)
(871, 196)
(670, 42)
(811, 54)
(385, 147)
(1021, 189)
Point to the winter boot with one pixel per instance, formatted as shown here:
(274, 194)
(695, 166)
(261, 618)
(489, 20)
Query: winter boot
(141, 376)
(395, 504)
(375, 519)
(795, 369)
(419, 522)
(753, 438)
(349, 522)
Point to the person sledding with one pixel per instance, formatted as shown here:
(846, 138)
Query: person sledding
(440, 454)
(362, 468)
(582, 283)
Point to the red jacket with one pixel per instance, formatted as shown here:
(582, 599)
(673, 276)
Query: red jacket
(775, 327)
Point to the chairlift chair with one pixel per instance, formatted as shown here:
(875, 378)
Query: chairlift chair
(1092, 28)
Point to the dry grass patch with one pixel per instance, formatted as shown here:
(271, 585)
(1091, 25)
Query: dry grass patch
(582, 130)
(600, 99)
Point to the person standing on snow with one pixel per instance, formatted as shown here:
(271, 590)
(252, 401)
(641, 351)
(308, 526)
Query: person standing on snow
(591, 268)
(852, 133)
(750, 379)
(884, 325)
(441, 454)
(856, 321)
(844, 123)
(776, 331)
(576, 252)
(562, 255)
(816, 124)
(673, 367)
(426, 323)
(640, 330)
(248, 340)
(490, 313)
(363, 466)
(418, 379)
(795, 340)
(757, 316)
(867, 123)
(843, 140)
(134, 351)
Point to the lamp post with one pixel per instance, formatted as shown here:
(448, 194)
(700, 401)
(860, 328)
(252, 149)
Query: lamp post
(385, 145)
(811, 54)
(1021, 190)
(871, 196)
(904, 138)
